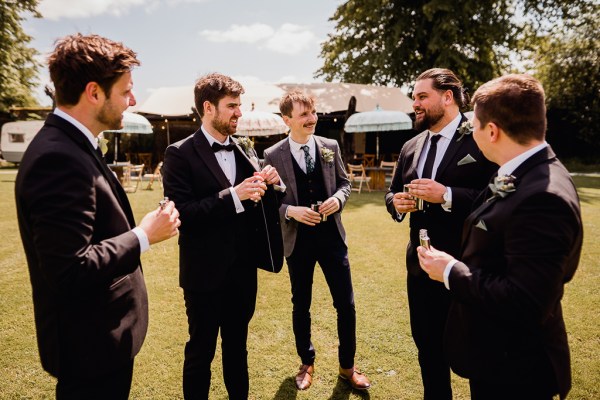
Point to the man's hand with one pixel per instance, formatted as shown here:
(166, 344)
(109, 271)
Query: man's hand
(433, 262)
(270, 175)
(162, 223)
(428, 190)
(304, 215)
(404, 203)
(252, 188)
(329, 206)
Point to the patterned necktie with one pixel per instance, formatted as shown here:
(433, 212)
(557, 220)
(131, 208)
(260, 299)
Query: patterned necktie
(429, 161)
(310, 163)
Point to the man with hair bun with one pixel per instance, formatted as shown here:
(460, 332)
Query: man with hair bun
(442, 166)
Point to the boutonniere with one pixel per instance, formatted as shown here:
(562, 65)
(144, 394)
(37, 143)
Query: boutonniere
(466, 128)
(327, 155)
(502, 186)
(102, 144)
(247, 145)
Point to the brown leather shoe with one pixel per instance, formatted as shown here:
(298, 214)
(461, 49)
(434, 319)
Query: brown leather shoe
(304, 376)
(355, 378)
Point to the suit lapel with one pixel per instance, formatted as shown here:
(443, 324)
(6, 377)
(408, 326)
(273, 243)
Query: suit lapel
(422, 138)
(252, 161)
(207, 155)
(285, 158)
(451, 150)
(326, 170)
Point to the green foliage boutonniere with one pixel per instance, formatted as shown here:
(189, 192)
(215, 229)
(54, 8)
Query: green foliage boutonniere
(502, 186)
(327, 155)
(247, 144)
(466, 128)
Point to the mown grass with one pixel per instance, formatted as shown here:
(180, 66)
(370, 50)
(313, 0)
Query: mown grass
(386, 351)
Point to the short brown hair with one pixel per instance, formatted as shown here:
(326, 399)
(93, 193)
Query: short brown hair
(213, 87)
(515, 103)
(78, 60)
(286, 104)
(443, 79)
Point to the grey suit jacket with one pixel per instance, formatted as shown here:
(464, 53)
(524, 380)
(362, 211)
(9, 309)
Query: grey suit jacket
(334, 177)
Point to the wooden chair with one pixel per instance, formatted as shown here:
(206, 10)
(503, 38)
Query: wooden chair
(358, 176)
(132, 176)
(369, 160)
(145, 158)
(155, 176)
(390, 170)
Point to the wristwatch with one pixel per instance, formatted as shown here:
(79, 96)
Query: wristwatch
(446, 196)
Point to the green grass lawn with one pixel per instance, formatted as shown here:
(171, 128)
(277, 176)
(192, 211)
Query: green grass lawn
(385, 350)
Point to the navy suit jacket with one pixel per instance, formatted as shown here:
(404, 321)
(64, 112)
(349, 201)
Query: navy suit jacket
(89, 297)
(464, 169)
(517, 254)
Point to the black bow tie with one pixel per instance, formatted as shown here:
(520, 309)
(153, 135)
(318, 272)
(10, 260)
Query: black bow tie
(218, 147)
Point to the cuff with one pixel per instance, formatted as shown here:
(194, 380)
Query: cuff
(447, 272)
(447, 206)
(239, 208)
(142, 238)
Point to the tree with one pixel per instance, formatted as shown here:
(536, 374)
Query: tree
(393, 41)
(18, 66)
(567, 62)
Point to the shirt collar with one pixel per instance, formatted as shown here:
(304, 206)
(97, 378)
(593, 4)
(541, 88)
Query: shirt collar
(448, 131)
(87, 133)
(211, 139)
(296, 147)
(509, 167)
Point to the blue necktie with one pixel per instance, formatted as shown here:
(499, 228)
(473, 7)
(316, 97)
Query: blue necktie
(310, 163)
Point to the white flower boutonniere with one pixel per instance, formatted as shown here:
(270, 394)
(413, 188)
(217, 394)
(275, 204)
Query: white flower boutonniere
(102, 144)
(247, 144)
(502, 186)
(327, 155)
(466, 128)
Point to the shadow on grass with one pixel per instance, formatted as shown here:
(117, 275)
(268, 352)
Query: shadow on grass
(342, 391)
(287, 390)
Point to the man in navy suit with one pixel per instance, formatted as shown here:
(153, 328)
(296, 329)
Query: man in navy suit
(505, 329)
(82, 246)
(442, 166)
(230, 226)
(313, 171)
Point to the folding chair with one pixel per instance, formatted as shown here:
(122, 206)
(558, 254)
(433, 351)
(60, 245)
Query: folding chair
(155, 176)
(132, 176)
(358, 176)
(390, 170)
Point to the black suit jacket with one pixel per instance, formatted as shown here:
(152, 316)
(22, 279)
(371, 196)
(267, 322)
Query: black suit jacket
(335, 180)
(211, 232)
(518, 252)
(89, 296)
(464, 169)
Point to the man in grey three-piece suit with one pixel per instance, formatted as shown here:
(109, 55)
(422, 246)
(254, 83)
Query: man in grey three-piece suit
(313, 172)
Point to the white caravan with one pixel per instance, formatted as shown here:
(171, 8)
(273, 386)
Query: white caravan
(15, 138)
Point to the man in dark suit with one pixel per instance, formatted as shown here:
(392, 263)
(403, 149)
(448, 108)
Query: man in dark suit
(442, 166)
(505, 330)
(77, 227)
(313, 171)
(229, 228)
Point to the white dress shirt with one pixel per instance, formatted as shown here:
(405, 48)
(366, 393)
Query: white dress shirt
(139, 232)
(298, 153)
(226, 160)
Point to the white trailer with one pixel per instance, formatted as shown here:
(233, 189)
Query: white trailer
(15, 138)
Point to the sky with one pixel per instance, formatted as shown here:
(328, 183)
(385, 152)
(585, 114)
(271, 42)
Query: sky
(178, 41)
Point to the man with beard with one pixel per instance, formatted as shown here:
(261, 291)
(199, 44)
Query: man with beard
(442, 166)
(77, 227)
(229, 228)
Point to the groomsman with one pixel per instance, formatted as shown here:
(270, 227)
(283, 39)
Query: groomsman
(317, 190)
(442, 166)
(505, 330)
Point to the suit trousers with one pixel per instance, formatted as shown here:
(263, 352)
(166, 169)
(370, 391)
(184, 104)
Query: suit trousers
(323, 245)
(429, 302)
(114, 385)
(228, 309)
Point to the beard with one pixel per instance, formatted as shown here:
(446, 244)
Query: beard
(430, 118)
(222, 126)
(110, 117)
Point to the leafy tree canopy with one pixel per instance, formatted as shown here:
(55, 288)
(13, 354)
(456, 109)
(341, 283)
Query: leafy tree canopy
(393, 41)
(18, 66)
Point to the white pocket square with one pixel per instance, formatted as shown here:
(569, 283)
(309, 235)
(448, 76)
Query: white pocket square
(481, 225)
(468, 159)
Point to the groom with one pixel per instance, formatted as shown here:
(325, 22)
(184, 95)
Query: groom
(313, 172)
(505, 329)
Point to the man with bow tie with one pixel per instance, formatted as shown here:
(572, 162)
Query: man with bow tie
(229, 227)
(442, 166)
(505, 329)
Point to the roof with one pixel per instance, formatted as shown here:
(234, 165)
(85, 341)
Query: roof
(331, 97)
